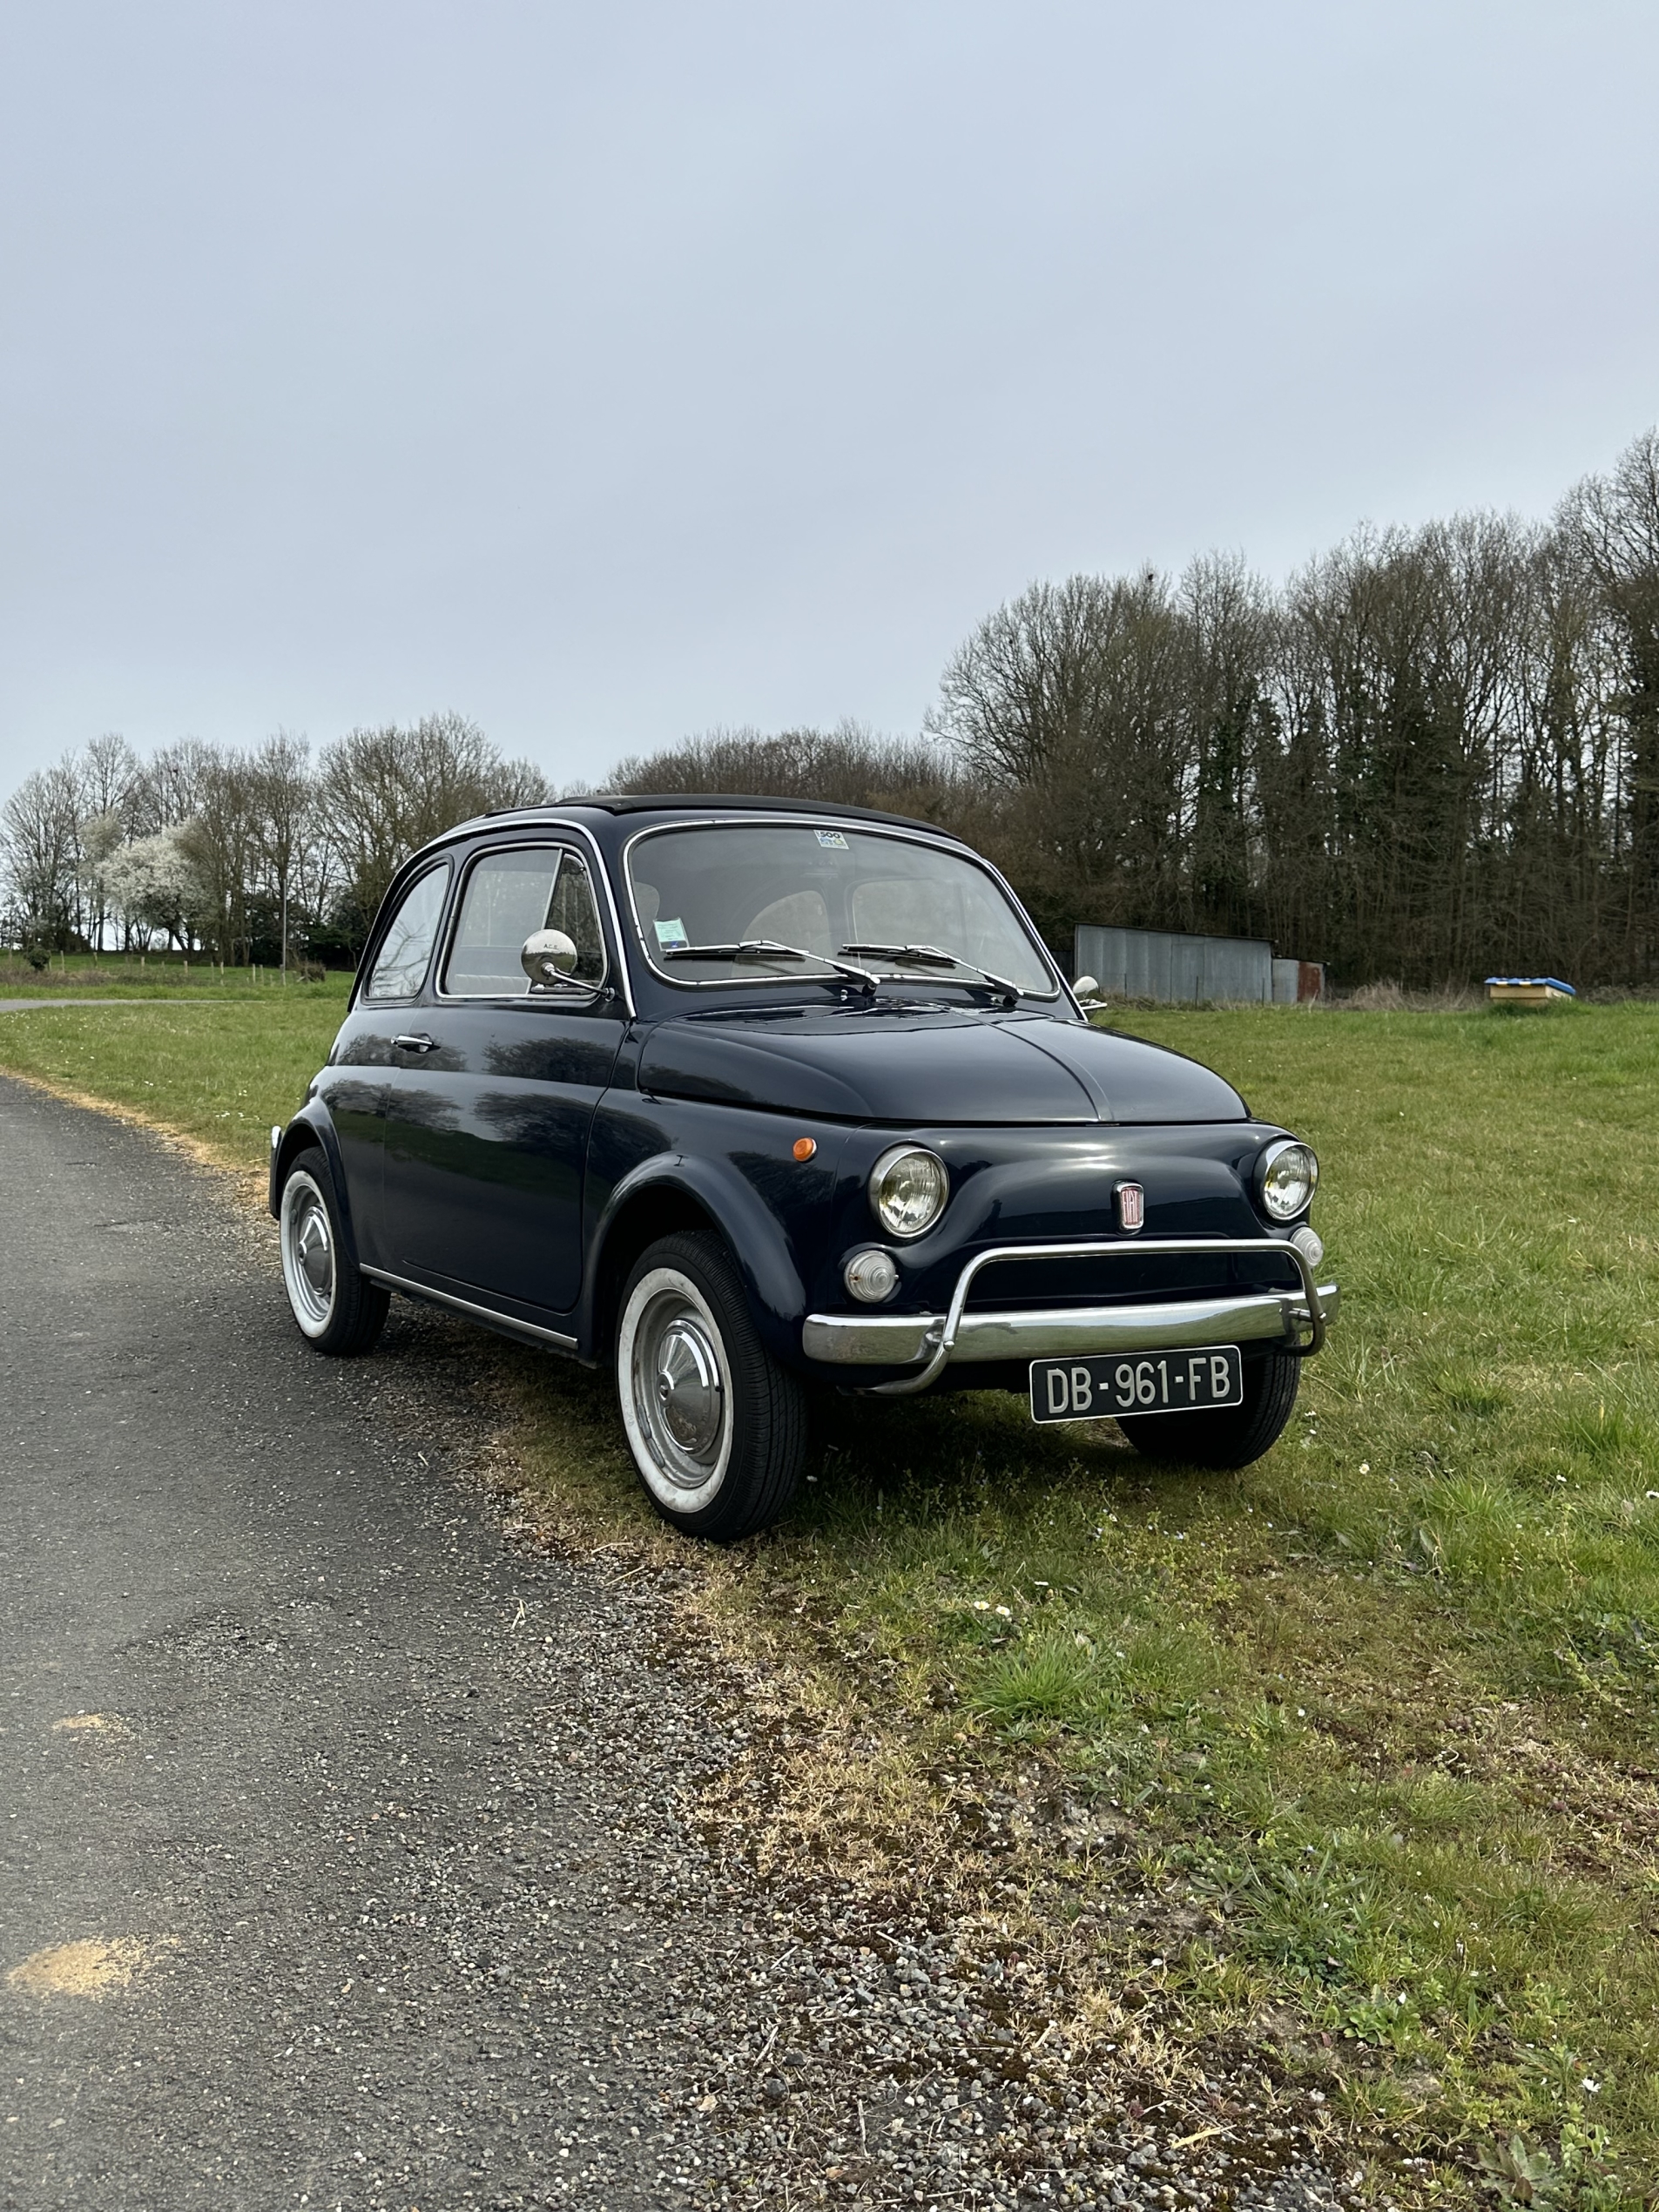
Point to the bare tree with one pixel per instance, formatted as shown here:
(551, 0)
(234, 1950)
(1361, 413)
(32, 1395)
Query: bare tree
(284, 821)
(235, 848)
(222, 839)
(40, 852)
(167, 789)
(105, 771)
(1067, 706)
(849, 763)
(386, 793)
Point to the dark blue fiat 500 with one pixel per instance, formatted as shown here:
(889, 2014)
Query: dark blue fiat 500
(753, 1099)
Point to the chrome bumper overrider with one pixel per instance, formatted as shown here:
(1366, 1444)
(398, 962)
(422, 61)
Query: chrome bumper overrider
(1297, 1317)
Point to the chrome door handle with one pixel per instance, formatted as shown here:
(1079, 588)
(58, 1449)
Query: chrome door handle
(423, 1043)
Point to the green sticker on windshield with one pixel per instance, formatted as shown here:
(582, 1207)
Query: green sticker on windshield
(670, 935)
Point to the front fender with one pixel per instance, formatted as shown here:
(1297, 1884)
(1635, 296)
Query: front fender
(312, 1125)
(752, 1232)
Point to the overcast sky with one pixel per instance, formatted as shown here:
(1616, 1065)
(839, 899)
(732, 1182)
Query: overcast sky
(610, 373)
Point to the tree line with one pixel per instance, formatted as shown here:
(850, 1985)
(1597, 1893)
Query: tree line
(1429, 754)
(253, 853)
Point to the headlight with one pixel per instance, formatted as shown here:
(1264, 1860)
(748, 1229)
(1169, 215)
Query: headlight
(1288, 1177)
(908, 1188)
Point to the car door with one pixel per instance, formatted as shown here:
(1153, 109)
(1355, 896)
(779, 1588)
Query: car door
(360, 1068)
(487, 1136)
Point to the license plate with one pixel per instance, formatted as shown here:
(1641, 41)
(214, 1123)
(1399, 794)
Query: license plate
(1098, 1388)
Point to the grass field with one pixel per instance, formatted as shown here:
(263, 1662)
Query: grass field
(83, 975)
(216, 1070)
(1347, 1761)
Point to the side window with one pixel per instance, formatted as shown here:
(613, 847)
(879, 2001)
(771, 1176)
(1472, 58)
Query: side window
(401, 968)
(508, 897)
(576, 911)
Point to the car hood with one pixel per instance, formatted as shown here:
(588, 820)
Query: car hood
(927, 1066)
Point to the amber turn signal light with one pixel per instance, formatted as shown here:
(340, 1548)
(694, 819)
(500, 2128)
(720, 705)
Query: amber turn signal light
(804, 1147)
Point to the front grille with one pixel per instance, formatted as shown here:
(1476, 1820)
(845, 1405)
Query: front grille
(1135, 1279)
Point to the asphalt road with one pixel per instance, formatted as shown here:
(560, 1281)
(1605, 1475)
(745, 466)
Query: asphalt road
(340, 1856)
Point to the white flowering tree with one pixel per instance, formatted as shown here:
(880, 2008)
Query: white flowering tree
(153, 884)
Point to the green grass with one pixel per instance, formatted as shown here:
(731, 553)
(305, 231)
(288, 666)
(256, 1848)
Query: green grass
(169, 975)
(1375, 1718)
(219, 1072)
(1359, 1746)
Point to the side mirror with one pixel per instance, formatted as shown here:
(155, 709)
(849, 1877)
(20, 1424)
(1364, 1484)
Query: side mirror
(1086, 987)
(548, 958)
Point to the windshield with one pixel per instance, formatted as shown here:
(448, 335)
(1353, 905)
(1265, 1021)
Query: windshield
(829, 891)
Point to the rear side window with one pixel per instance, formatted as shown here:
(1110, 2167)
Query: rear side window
(406, 951)
(510, 897)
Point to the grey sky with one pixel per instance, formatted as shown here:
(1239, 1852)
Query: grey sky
(607, 373)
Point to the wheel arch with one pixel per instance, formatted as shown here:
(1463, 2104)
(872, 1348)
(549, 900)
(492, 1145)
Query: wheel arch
(312, 1129)
(688, 1193)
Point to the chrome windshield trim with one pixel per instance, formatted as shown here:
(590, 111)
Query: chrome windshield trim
(942, 843)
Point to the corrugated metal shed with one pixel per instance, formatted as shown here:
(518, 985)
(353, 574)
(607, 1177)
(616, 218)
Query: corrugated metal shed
(1164, 964)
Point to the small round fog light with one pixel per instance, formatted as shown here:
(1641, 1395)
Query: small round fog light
(870, 1277)
(1309, 1242)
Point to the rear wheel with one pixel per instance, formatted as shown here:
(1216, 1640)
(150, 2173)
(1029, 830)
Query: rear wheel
(337, 1308)
(716, 1429)
(1232, 1436)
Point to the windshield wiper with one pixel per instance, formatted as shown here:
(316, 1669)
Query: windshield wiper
(757, 949)
(931, 956)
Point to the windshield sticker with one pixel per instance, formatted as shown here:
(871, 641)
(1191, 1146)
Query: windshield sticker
(670, 935)
(832, 840)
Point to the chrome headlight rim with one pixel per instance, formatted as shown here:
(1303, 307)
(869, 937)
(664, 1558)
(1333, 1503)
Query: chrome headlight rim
(1272, 1155)
(878, 1173)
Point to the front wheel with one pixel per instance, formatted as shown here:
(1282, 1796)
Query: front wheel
(717, 1427)
(336, 1306)
(1233, 1435)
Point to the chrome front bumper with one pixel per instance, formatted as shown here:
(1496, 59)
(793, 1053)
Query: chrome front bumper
(932, 1341)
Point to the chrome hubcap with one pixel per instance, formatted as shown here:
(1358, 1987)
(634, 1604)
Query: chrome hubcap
(307, 1252)
(679, 1396)
(315, 1255)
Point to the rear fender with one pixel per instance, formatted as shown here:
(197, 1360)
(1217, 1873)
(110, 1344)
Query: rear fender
(311, 1127)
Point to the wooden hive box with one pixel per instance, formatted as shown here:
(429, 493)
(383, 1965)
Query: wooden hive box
(1526, 990)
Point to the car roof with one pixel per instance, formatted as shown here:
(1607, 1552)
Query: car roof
(631, 802)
